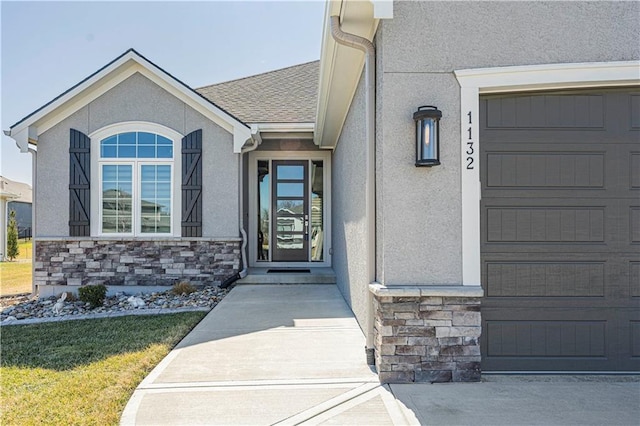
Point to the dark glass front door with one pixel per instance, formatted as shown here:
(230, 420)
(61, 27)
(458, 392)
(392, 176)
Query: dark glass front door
(290, 225)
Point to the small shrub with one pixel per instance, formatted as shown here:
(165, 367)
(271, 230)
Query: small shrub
(183, 288)
(93, 294)
(12, 236)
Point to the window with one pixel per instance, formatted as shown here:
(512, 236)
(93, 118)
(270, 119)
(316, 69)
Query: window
(136, 173)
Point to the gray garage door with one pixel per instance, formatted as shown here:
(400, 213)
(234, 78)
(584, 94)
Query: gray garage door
(560, 221)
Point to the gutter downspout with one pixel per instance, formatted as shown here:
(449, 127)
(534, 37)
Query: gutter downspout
(34, 171)
(256, 139)
(361, 43)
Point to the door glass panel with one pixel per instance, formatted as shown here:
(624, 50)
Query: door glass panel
(290, 189)
(290, 207)
(317, 211)
(264, 189)
(155, 211)
(116, 198)
(290, 241)
(290, 172)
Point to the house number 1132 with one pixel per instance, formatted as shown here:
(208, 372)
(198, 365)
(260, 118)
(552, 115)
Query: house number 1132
(470, 149)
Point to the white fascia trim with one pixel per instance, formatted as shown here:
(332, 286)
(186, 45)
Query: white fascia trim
(114, 74)
(327, 62)
(382, 9)
(473, 83)
(284, 127)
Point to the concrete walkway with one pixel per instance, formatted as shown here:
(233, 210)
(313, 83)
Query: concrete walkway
(268, 354)
(294, 354)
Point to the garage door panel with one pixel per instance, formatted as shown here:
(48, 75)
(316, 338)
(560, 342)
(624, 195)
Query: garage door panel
(633, 231)
(634, 336)
(629, 339)
(614, 276)
(634, 278)
(545, 279)
(561, 170)
(548, 338)
(538, 170)
(634, 112)
(634, 170)
(546, 111)
(552, 222)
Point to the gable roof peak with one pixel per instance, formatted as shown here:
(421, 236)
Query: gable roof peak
(128, 63)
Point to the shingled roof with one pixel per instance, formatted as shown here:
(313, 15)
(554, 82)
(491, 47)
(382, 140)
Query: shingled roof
(286, 95)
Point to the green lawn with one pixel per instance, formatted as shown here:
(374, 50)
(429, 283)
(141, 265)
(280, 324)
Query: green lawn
(15, 276)
(82, 372)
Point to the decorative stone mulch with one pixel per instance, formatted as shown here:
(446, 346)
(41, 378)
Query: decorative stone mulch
(24, 309)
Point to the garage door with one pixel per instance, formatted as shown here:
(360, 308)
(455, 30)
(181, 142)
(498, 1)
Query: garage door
(560, 229)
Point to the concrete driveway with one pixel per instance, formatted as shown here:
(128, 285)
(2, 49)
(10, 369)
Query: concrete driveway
(526, 400)
(294, 354)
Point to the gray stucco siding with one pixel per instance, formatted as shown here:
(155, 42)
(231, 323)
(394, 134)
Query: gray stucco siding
(220, 168)
(422, 209)
(348, 211)
(138, 99)
(51, 191)
(443, 36)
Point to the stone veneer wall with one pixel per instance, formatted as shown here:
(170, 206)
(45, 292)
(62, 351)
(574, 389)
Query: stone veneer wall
(426, 338)
(79, 261)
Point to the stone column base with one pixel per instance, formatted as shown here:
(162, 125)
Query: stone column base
(427, 333)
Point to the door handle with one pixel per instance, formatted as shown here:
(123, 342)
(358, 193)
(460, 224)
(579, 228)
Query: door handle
(306, 227)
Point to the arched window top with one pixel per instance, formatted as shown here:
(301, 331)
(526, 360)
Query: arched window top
(136, 145)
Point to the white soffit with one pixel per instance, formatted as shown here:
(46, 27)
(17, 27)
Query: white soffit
(28, 129)
(341, 66)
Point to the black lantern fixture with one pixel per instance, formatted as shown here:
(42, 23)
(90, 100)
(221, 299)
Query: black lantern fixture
(427, 120)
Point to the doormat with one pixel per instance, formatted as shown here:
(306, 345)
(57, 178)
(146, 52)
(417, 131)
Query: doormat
(294, 271)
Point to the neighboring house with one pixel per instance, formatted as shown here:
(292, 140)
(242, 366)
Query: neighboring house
(533, 212)
(21, 205)
(14, 196)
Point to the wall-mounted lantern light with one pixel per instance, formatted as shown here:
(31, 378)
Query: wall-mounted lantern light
(427, 120)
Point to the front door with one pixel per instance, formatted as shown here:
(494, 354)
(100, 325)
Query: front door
(290, 224)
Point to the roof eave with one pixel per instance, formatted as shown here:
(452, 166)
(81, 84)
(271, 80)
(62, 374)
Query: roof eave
(284, 130)
(341, 66)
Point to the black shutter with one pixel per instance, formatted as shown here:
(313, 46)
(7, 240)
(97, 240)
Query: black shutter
(192, 184)
(79, 184)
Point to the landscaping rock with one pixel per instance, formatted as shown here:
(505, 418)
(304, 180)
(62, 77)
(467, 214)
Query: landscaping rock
(26, 307)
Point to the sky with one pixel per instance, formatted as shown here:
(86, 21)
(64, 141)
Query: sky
(48, 47)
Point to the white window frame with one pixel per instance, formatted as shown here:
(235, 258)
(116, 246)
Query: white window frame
(476, 82)
(96, 176)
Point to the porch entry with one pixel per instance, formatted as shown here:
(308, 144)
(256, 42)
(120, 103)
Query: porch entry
(290, 214)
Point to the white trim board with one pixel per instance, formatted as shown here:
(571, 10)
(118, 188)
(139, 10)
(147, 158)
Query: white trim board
(473, 83)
